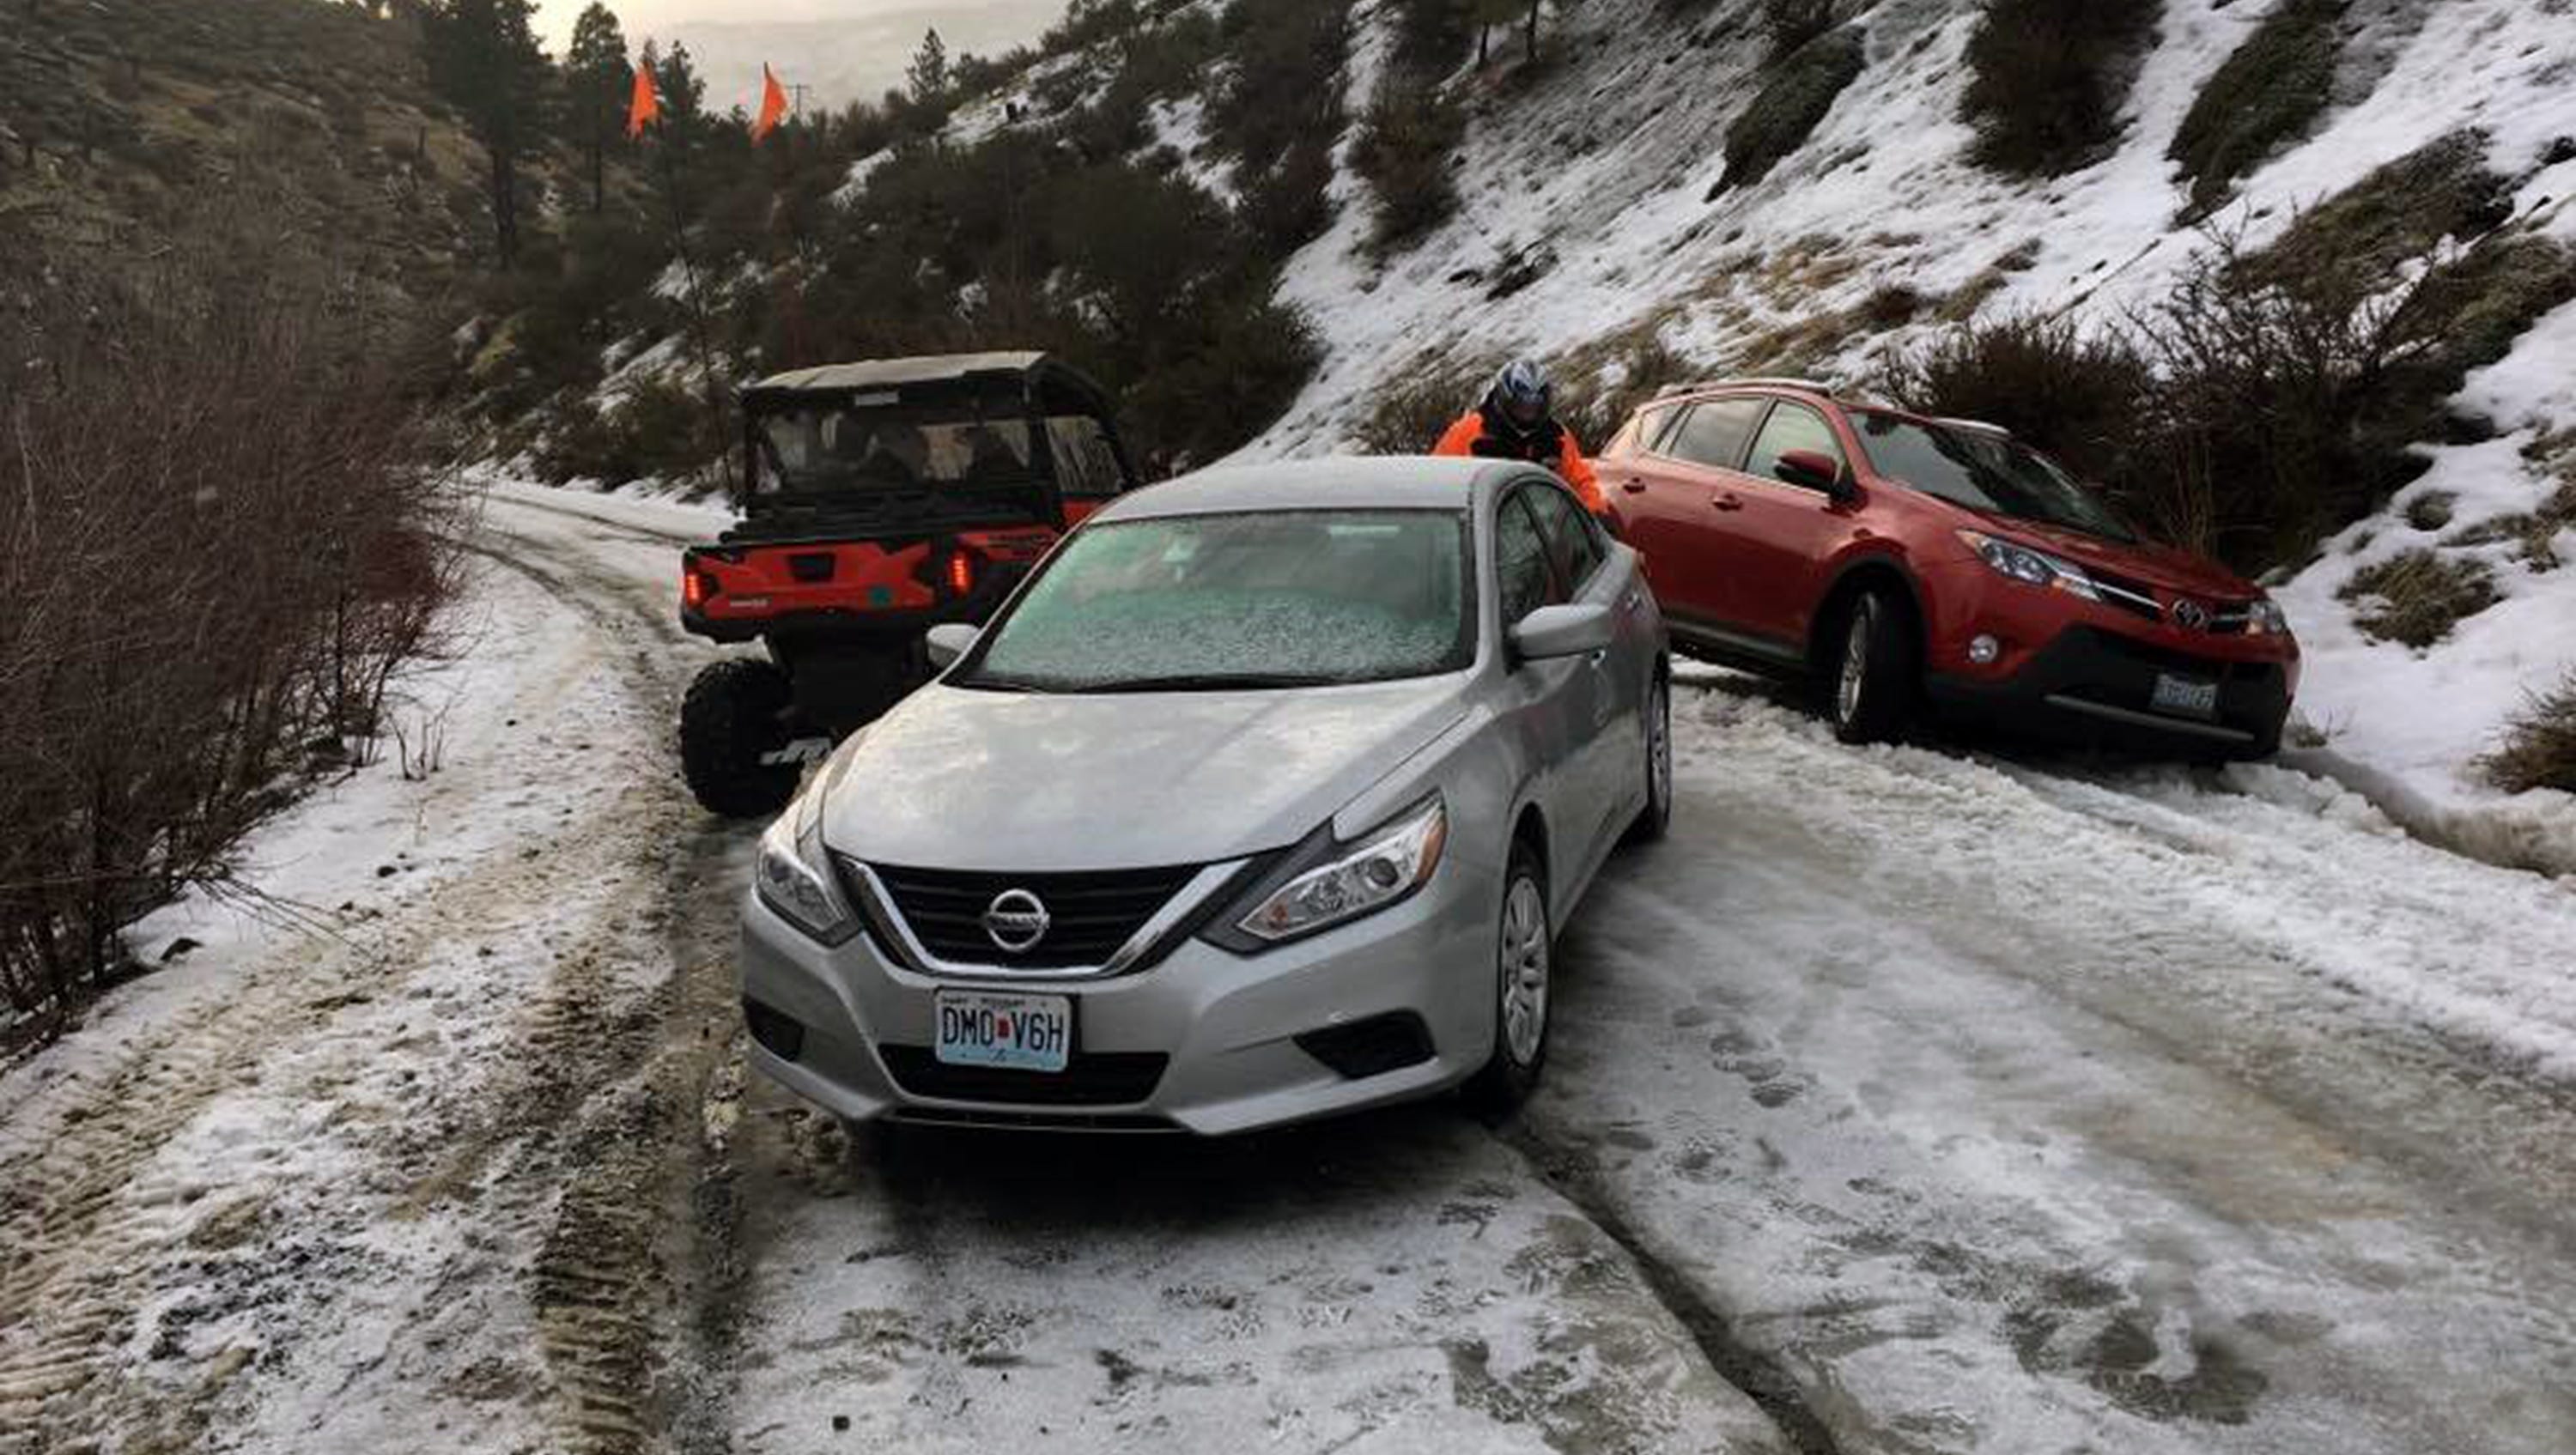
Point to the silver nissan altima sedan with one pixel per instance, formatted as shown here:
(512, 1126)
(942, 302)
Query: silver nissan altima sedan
(1261, 800)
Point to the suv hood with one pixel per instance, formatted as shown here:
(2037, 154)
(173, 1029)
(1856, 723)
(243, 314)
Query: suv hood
(1043, 783)
(2167, 568)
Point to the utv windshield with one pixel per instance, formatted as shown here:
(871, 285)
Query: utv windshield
(1984, 472)
(1218, 602)
(878, 447)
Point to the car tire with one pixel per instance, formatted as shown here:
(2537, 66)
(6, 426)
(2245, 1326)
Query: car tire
(734, 715)
(1657, 815)
(1524, 965)
(1872, 675)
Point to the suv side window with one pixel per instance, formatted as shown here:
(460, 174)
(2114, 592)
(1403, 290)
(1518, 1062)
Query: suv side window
(1524, 578)
(1574, 548)
(1791, 427)
(1714, 433)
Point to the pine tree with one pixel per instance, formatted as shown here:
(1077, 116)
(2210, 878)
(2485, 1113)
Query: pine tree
(484, 59)
(600, 80)
(684, 91)
(929, 73)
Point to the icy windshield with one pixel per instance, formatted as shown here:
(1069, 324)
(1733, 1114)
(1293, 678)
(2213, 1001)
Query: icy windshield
(1209, 602)
(1984, 471)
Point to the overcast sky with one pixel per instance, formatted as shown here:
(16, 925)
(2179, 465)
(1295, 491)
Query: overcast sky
(845, 49)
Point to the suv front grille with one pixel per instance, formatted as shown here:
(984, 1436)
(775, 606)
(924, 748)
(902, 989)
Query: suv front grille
(1090, 915)
(2135, 597)
(1090, 1078)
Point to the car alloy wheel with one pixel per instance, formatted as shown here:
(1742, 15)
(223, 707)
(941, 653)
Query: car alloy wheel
(1854, 680)
(1657, 814)
(1659, 747)
(1524, 971)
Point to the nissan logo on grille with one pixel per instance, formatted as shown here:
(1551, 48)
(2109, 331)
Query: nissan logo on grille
(1016, 920)
(2191, 616)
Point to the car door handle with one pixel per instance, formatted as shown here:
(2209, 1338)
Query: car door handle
(1729, 502)
(1633, 486)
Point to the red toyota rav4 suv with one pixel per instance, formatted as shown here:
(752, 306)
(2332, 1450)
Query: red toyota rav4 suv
(1911, 562)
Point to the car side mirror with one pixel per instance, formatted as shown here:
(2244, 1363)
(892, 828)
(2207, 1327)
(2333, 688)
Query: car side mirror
(1813, 470)
(1562, 631)
(949, 641)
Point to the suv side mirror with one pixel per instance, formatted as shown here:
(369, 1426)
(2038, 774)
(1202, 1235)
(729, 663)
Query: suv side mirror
(1814, 470)
(1563, 631)
(949, 641)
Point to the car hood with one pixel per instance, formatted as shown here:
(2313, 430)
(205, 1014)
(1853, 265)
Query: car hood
(1039, 783)
(2168, 568)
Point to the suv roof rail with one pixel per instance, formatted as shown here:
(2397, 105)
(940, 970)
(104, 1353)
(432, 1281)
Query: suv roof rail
(1758, 380)
(1975, 426)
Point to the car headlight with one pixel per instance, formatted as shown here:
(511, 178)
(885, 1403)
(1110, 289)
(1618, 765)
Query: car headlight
(1382, 869)
(2032, 568)
(794, 878)
(2264, 618)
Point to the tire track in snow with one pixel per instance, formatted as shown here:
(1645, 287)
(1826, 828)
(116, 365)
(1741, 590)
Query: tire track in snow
(634, 1266)
(90, 1219)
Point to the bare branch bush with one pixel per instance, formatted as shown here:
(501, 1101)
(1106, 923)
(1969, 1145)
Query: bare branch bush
(217, 545)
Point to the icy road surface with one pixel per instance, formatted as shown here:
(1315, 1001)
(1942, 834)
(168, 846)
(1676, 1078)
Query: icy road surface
(1902, 1101)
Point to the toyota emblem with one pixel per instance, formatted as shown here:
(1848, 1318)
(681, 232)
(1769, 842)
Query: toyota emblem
(2191, 615)
(1016, 920)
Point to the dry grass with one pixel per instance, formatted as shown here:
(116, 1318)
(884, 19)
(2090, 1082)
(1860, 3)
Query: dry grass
(2417, 597)
(2538, 748)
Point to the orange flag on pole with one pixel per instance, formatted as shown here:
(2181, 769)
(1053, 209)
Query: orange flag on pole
(647, 105)
(773, 105)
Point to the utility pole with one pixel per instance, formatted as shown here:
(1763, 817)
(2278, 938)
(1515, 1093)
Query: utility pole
(796, 99)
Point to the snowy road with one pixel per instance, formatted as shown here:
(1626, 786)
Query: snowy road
(1902, 1101)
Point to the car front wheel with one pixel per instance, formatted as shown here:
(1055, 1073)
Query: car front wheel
(1657, 815)
(1525, 963)
(1871, 690)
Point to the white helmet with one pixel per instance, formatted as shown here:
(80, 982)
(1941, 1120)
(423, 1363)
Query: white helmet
(1521, 392)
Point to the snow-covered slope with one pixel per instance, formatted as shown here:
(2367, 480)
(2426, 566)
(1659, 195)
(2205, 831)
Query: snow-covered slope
(1609, 160)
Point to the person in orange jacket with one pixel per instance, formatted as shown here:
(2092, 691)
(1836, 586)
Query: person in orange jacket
(1516, 421)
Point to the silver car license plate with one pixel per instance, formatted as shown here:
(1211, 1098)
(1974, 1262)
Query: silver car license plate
(1018, 1032)
(2185, 696)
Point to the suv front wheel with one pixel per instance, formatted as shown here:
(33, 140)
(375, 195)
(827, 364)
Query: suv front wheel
(1872, 677)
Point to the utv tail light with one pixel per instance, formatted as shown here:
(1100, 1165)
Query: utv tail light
(696, 587)
(961, 574)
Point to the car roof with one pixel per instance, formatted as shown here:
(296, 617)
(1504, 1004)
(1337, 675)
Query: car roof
(1808, 391)
(1377, 482)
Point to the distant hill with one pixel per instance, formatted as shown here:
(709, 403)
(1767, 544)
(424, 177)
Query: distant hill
(851, 58)
(121, 120)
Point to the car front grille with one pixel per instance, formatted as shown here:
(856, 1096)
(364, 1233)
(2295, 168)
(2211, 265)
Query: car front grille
(1090, 1078)
(1090, 915)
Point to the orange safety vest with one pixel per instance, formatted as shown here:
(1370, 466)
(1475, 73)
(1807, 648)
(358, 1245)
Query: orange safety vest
(1552, 445)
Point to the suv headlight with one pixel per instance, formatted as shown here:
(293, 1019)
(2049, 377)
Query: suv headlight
(2032, 568)
(1382, 869)
(2264, 618)
(794, 878)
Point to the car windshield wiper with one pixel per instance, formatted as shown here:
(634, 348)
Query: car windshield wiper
(1212, 682)
(988, 682)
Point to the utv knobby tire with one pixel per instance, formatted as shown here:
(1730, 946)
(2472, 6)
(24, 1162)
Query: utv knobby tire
(1874, 674)
(735, 714)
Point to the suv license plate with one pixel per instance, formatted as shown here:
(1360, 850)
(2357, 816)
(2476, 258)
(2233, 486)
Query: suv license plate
(1019, 1032)
(2185, 697)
